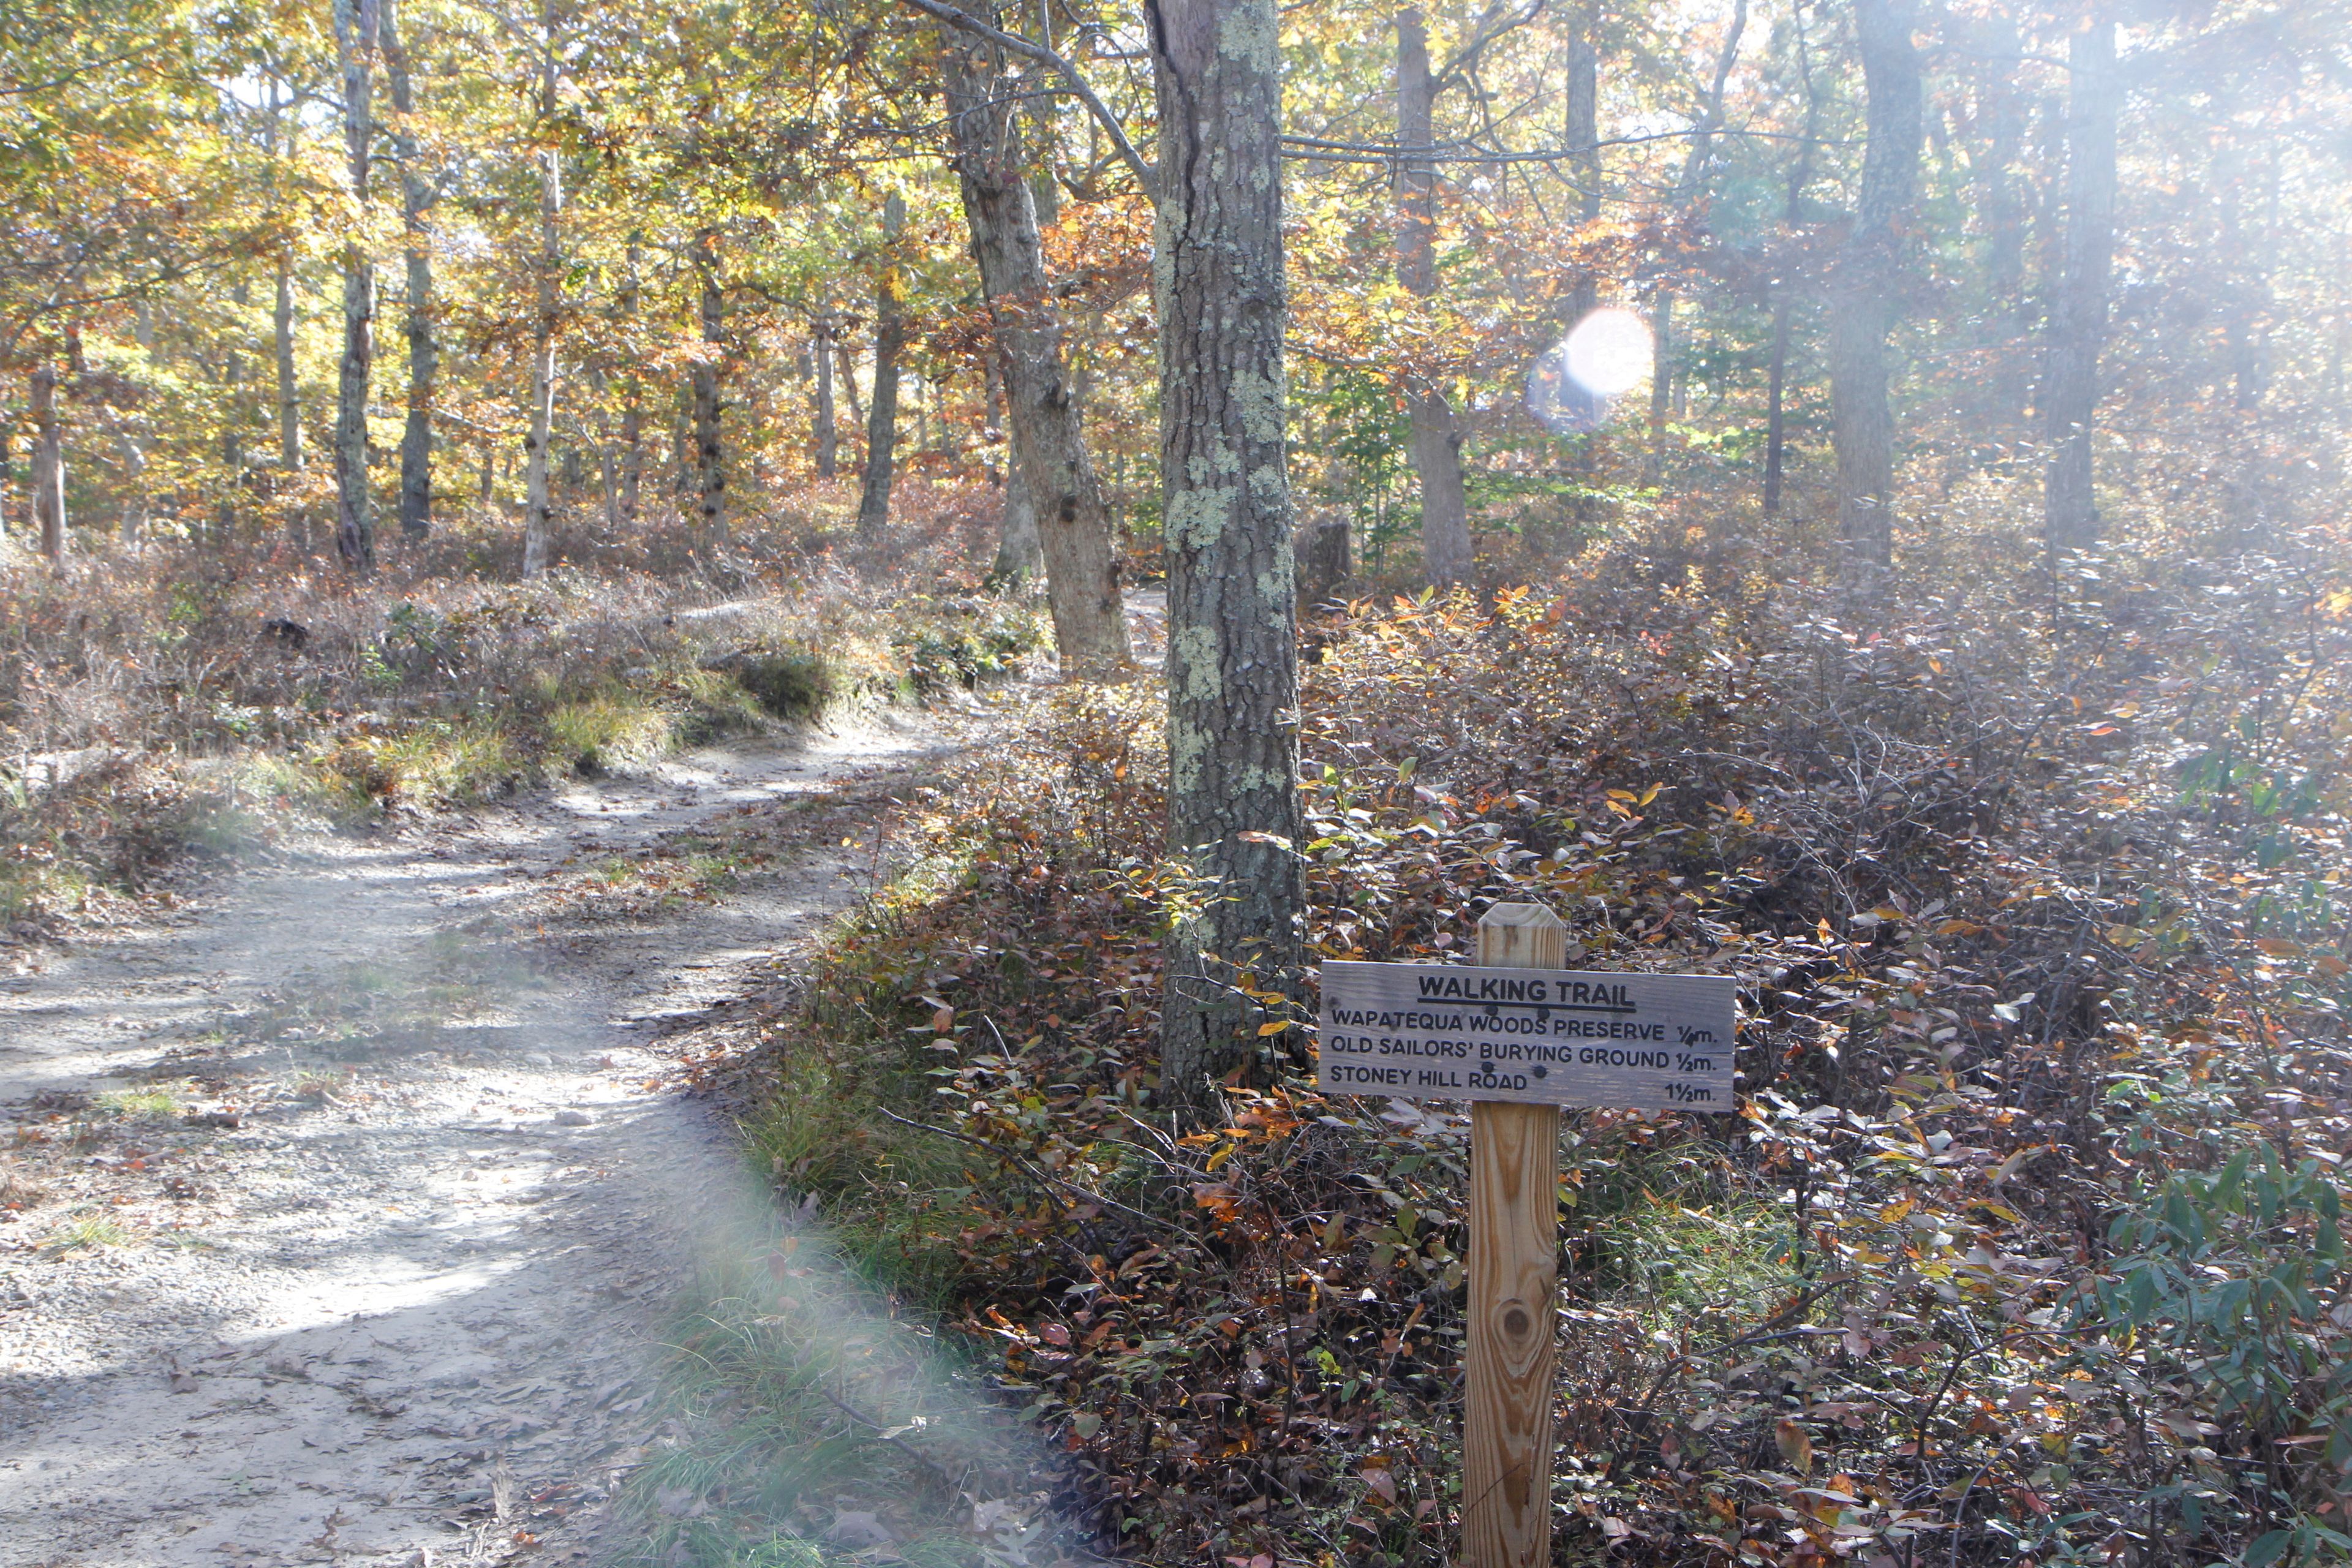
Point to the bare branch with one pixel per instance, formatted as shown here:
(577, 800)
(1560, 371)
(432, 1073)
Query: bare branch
(955, 16)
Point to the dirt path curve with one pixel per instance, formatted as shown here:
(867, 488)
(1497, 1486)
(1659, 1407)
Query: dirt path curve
(402, 1310)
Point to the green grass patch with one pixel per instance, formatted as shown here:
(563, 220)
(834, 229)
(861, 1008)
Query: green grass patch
(88, 1235)
(156, 1102)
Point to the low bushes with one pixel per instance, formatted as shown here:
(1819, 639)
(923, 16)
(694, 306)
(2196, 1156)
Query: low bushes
(2022, 1244)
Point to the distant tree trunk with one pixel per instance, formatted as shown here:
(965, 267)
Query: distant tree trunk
(1582, 411)
(1583, 125)
(1233, 643)
(1776, 424)
(1688, 190)
(1867, 302)
(1662, 386)
(1049, 451)
(889, 339)
(849, 363)
(133, 528)
(1436, 433)
(2078, 322)
(2004, 222)
(828, 439)
(355, 45)
(538, 507)
(48, 466)
(234, 409)
(710, 453)
(8, 470)
(1020, 553)
(633, 418)
(291, 462)
(424, 354)
(608, 467)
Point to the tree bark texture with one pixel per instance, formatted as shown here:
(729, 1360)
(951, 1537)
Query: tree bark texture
(1776, 416)
(633, 416)
(235, 409)
(828, 440)
(424, 353)
(1868, 285)
(538, 507)
(1020, 553)
(1436, 433)
(355, 48)
(1049, 452)
(48, 466)
(889, 342)
(709, 450)
(132, 529)
(291, 460)
(1233, 648)
(2078, 320)
(1579, 409)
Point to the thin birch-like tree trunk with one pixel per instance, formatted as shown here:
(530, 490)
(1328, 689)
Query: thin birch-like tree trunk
(48, 466)
(355, 47)
(889, 342)
(709, 450)
(424, 354)
(538, 507)
(828, 439)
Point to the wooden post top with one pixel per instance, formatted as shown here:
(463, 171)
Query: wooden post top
(1522, 936)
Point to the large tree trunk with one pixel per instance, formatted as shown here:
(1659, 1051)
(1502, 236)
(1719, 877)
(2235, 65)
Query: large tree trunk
(48, 466)
(710, 452)
(2078, 322)
(828, 439)
(1049, 450)
(889, 341)
(538, 507)
(1436, 434)
(355, 45)
(1232, 647)
(424, 357)
(1868, 290)
(8, 470)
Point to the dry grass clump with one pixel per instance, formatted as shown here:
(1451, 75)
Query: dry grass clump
(2023, 1244)
(185, 699)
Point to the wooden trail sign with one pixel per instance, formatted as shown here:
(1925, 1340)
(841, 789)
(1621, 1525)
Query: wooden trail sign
(1433, 1031)
(1519, 1037)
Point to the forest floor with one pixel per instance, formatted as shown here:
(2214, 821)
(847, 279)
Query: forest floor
(349, 1206)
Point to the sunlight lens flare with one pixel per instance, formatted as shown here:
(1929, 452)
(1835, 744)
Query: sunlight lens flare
(1608, 353)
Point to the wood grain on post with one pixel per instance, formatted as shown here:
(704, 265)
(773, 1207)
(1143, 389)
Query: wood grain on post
(1514, 1288)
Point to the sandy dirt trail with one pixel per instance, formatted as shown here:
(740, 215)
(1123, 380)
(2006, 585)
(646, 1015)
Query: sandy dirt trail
(405, 1310)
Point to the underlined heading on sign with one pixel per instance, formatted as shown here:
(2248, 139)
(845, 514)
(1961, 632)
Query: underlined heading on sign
(1650, 1042)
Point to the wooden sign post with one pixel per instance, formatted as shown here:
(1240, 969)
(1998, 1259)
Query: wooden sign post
(1519, 1037)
